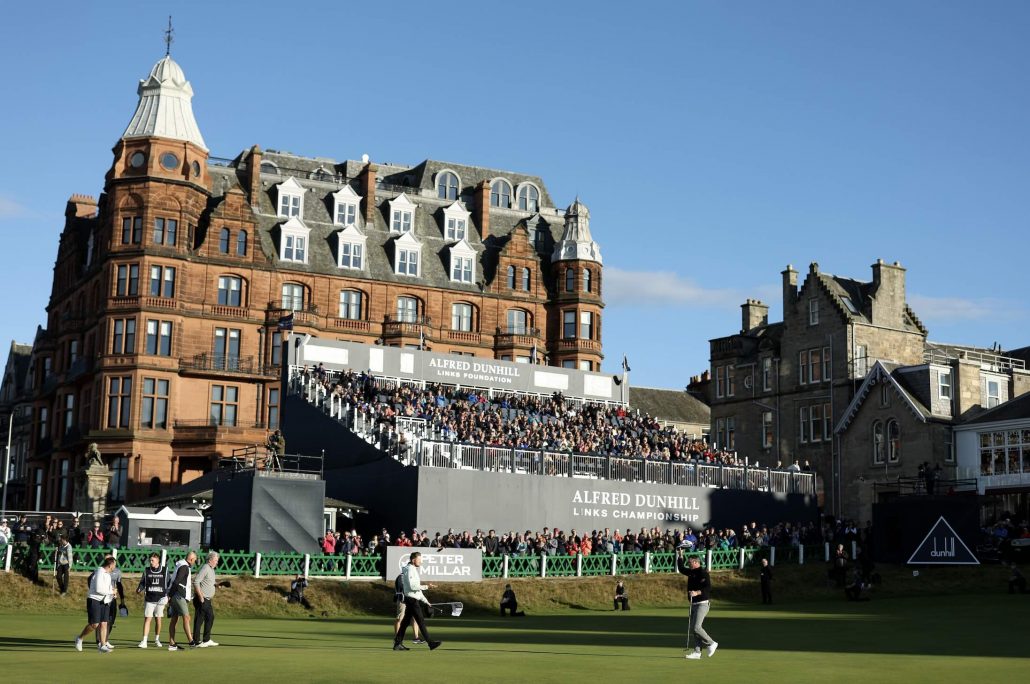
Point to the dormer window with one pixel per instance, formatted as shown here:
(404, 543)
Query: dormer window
(463, 263)
(293, 241)
(456, 220)
(290, 199)
(447, 185)
(529, 198)
(500, 194)
(350, 248)
(406, 255)
(345, 206)
(402, 214)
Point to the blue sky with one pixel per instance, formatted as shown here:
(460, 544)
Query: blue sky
(713, 142)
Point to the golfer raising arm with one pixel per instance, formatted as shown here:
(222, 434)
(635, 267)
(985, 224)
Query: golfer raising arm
(414, 600)
(698, 585)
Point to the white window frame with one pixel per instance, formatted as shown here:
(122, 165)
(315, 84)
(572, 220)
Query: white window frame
(293, 242)
(803, 425)
(813, 311)
(463, 263)
(815, 423)
(290, 199)
(407, 314)
(527, 187)
(347, 304)
(992, 399)
(500, 203)
(731, 380)
(461, 316)
(944, 383)
(350, 248)
(455, 223)
(720, 382)
(767, 374)
(346, 205)
(767, 430)
(402, 215)
(439, 178)
(803, 367)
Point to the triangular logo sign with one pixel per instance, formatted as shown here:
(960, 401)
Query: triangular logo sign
(942, 546)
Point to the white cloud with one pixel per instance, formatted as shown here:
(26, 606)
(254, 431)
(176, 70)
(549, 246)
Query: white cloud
(9, 209)
(958, 309)
(662, 288)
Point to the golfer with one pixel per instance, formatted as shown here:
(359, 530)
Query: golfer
(101, 594)
(414, 600)
(180, 592)
(203, 594)
(152, 585)
(699, 584)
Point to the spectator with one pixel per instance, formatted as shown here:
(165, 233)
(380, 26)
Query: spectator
(297, 588)
(1017, 583)
(490, 544)
(23, 531)
(621, 597)
(75, 534)
(5, 532)
(63, 559)
(114, 534)
(95, 537)
(510, 603)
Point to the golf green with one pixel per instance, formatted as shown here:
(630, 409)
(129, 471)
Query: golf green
(941, 639)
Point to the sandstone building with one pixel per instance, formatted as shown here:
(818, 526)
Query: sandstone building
(162, 341)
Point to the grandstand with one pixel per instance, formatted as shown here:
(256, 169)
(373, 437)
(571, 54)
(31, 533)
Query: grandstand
(403, 423)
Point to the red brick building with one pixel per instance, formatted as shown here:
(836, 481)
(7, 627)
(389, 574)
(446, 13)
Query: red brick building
(162, 341)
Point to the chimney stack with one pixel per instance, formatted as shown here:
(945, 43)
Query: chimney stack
(482, 209)
(888, 296)
(753, 314)
(80, 206)
(790, 289)
(254, 176)
(368, 190)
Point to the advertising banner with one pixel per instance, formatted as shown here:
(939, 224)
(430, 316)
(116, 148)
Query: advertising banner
(446, 565)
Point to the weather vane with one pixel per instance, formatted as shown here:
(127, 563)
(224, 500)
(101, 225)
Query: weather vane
(168, 37)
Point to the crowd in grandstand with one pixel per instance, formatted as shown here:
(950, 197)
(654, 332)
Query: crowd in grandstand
(560, 542)
(520, 421)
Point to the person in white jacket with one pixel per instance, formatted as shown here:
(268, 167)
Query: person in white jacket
(98, 605)
(414, 600)
(180, 593)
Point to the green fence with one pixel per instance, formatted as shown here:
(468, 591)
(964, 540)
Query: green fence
(370, 566)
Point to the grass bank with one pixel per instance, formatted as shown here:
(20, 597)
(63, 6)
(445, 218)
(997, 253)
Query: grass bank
(264, 597)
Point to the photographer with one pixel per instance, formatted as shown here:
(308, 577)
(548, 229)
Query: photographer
(621, 597)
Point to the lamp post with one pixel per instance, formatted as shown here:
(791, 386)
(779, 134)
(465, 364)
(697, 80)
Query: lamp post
(7, 464)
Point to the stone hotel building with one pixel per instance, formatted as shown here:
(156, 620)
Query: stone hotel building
(162, 342)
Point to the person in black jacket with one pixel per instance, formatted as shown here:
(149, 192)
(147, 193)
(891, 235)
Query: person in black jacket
(699, 584)
(621, 597)
(765, 575)
(510, 603)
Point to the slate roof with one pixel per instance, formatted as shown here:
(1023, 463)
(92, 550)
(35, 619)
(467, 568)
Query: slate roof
(1014, 409)
(860, 294)
(669, 404)
(418, 185)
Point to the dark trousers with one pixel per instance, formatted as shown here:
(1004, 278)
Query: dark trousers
(512, 608)
(412, 611)
(62, 578)
(1017, 585)
(766, 592)
(203, 613)
(624, 600)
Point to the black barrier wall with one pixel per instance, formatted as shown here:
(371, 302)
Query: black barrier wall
(436, 499)
(901, 524)
(256, 513)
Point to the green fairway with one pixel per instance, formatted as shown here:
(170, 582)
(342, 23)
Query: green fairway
(900, 640)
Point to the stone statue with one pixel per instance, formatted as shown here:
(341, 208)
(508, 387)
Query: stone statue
(93, 457)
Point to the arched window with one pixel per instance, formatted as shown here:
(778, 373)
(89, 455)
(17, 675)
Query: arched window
(570, 280)
(893, 441)
(230, 291)
(350, 304)
(241, 243)
(518, 321)
(877, 442)
(527, 280)
(588, 280)
(269, 167)
(500, 194)
(511, 277)
(293, 296)
(461, 317)
(447, 186)
(529, 198)
(223, 241)
(407, 309)
(155, 486)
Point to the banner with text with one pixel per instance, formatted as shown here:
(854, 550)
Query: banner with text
(446, 565)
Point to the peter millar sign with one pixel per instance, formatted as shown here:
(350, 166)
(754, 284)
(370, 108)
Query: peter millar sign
(444, 565)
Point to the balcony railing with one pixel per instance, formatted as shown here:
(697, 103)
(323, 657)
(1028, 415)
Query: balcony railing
(222, 311)
(516, 336)
(216, 424)
(352, 324)
(462, 336)
(307, 315)
(217, 363)
(580, 343)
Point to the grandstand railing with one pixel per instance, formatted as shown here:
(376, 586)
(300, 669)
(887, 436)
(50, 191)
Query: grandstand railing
(16, 557)
(413, 442)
